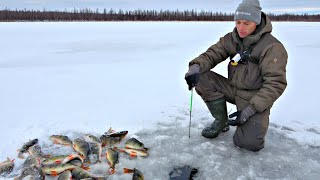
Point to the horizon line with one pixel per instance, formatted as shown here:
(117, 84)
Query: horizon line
(101, 10)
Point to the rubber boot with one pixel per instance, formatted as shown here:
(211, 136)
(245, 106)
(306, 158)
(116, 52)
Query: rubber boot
(218, 109)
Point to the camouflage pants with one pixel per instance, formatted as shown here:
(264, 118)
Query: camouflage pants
(251, 134)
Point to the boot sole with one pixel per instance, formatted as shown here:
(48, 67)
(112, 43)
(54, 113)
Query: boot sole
(212, 137)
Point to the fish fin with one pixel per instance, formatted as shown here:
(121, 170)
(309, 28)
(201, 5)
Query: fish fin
(127, 171)
(87, 168)
(57, 161)
(118, 149)
(88, 161)
(81, 155)
(133, 155)
(111, 171)
(47, 155)
(53, 173)
(39, 161)
(70, 157)
(111, 130)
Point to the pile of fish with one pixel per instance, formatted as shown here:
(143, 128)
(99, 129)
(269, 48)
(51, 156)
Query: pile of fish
(88, 150)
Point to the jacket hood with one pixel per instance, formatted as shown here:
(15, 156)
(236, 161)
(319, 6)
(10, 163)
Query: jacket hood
(264, 27)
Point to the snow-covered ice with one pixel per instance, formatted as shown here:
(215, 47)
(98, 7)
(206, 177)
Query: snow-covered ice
(75, 78)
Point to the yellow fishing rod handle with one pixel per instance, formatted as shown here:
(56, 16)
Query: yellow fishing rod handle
(233, 63)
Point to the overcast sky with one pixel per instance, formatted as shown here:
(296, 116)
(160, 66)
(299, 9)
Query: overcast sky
(269, 6)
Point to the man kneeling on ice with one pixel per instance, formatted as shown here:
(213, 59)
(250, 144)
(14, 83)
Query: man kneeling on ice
(256, 77)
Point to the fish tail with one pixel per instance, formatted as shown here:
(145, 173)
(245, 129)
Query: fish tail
(20, 155)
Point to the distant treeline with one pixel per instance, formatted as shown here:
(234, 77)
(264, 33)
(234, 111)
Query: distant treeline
(136, 15)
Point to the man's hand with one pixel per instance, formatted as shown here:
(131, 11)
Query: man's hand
(192, 76)
(242, 116)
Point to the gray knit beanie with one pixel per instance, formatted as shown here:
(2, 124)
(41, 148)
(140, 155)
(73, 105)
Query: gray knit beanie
(249, 10)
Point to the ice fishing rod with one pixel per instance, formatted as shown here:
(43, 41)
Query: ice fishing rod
(190, 110)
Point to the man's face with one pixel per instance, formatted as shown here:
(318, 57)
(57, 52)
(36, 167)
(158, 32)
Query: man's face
(245, 28)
